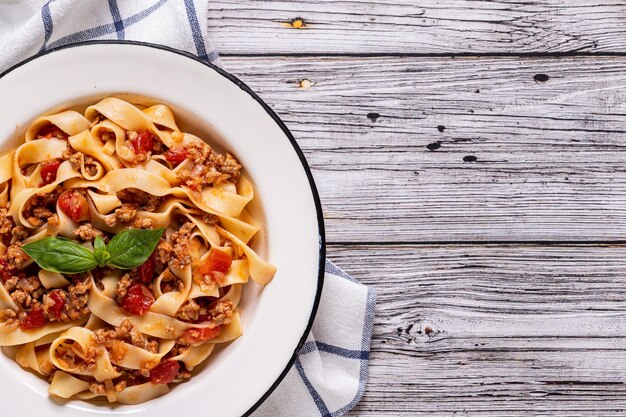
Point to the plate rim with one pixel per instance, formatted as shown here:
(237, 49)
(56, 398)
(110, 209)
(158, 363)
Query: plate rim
(316, 199)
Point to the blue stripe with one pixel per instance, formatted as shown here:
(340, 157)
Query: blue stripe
(365, 340)
(362, 355)
(107, 29)
(314, 345)
(331, 268)
(117, 19)
(319, 402)
(213, 56)
(196, 32)
(46, 17)
(368, 324)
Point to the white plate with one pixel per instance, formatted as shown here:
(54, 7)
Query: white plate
(205, 100)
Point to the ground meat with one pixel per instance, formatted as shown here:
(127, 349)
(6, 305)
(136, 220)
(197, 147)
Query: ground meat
(6, 222)
(72, 355)
(100, 387)
(42, 212)
(47, 367)
(199, 152)
(51, 132)
(180, 243)
(54, 220)
(11, 324)
(78, 296)
(213, 277)
(97, 388)
(25, 292)
(200, 176)
(22, 298)
(134, 377)
(87, 232)
(126, 332)
(78, 158)
(39, 215)
(40, 207)
(133, 201)
(221, 313)
(145, 201)
(138, 339)
(209, 218)
(120, 386)
(10, 283)
(146, 367)
(15, 256)
(210, 168)
(118, 350)
(19, 233)
(107, 136)
(143, 224)
(217, 313)
(122, 286)
(49, 303)
(124, 214)
(176, 284)
(103, 336)
(164, 252)
(178, 349)
(190, 311)
(109, 339)
(7, 314)
(231, 166)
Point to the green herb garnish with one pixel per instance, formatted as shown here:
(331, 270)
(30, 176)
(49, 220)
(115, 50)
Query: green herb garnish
(126, 250)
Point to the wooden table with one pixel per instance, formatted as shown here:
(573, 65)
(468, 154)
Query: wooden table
(470, 156)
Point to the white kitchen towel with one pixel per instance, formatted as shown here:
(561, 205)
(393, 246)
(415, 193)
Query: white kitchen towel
(329, 374)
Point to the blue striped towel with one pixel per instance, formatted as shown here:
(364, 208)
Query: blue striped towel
(329, 374)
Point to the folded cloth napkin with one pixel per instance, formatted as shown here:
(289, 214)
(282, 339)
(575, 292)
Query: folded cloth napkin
(329, 374)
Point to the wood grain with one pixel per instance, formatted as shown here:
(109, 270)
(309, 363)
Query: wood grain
(426, 27)
(516, 159)
(452, 124)
(508, 330)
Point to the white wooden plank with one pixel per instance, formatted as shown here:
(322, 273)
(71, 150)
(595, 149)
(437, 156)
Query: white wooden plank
(407, 26)
(549, 155)
(502, 330)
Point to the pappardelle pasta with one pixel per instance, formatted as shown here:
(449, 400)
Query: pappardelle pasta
(117, 329)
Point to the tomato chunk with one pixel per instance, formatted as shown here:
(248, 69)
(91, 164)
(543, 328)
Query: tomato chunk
(217, 260)
(74, 205)
(34, 319)
(165, 372)
(5, 272)
(57, 308)
(144, 142)
(138, 299)
(49, 170)
(176, 156)
(147, 269)
(52, 132)
(200, 335)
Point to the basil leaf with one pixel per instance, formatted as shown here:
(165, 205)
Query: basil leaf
(61, 255)
(100, 252)
(132, 247)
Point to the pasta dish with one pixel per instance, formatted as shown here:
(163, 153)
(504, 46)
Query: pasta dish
(124, 250)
